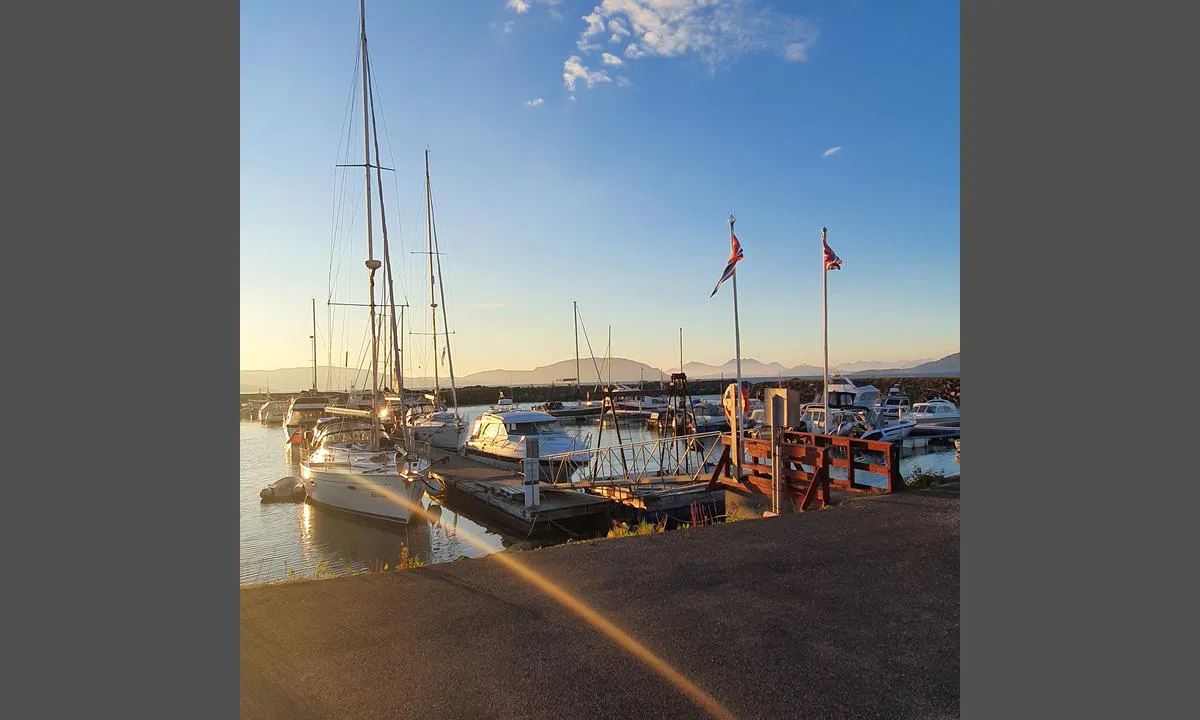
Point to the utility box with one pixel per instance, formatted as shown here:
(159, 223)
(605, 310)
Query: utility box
(793, 406)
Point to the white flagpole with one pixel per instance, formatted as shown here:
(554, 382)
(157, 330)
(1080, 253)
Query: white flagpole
(737, 349)
(825, 311)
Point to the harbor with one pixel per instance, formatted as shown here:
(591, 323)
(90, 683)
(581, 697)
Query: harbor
(295, 538)
(508, 451)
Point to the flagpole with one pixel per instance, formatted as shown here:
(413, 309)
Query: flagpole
(825, 312)
(737, 348)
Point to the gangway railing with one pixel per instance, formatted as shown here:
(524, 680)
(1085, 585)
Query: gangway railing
(636, 463)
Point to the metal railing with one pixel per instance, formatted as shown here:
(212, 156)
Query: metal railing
(635, 463)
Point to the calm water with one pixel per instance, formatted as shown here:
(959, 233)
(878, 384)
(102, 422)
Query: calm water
(279, 537)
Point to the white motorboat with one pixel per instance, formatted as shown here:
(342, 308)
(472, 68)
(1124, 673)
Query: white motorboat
(934, 412)
(895, 404)
(498, 438)
(273, 413)
(303, 412)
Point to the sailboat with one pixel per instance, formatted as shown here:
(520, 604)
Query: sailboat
(355, 466)
(432, 422)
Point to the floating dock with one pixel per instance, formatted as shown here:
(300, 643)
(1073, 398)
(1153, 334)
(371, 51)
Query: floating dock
(499, 496)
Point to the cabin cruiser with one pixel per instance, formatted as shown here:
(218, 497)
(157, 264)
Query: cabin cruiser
(935, 412)
(433, 423)
(273, 413)
(302, 414)
(498, 438)
(360, 469)
(895, 404)
(569, 410)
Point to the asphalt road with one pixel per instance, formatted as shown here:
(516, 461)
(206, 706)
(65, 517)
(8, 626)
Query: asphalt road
(851, 612)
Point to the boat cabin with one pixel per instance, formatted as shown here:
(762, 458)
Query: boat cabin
(515, 425)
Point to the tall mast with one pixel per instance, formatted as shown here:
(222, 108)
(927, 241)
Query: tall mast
(432, 301)
(825, 332)
(575, 307)
(610, 356)
(314, 339)
(372, 263)
(441, 291)
(680, 349)
(396, 358)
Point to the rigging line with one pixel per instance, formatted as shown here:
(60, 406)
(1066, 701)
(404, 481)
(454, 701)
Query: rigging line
(393, 345)
(445, 322)
(345, 124)
(392, 158)
(589, 344)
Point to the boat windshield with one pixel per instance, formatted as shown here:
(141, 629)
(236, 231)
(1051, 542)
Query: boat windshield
(545, 427)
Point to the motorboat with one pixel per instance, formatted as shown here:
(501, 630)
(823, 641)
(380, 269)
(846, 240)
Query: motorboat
(273, 412)
(564, 411)
(935, 411)
(894, 404)
(302, 414)
(499, 438)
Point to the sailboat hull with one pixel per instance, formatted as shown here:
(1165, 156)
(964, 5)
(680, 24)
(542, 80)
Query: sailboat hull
(383, 496)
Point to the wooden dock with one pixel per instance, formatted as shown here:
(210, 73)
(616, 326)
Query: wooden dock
(499, 497)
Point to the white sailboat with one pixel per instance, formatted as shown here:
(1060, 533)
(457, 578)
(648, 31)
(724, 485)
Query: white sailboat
(434, 423)
(357, 467)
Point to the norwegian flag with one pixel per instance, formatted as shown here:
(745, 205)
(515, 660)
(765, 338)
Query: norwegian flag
(832, 261)
(735, 256)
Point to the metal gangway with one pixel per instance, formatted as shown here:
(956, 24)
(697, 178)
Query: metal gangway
(669, 459)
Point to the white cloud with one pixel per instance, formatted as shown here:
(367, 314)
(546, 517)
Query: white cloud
(831, 151)
(611, 59)
(522, 6)
(573, 70)
(715, 31)
(534, 102)
(617, 28)
(624, 82)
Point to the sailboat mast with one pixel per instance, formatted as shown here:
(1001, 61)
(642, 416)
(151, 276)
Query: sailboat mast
(575, 307)
(432, 301)
(393, 346)
(372, 263)
(610, 355)
(314, 339)
(437, 253)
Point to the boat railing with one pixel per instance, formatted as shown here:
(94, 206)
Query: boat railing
(636, 463)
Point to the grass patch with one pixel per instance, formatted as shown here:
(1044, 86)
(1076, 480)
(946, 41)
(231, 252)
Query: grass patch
(922, 478)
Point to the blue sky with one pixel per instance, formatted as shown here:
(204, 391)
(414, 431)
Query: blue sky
(614, 193)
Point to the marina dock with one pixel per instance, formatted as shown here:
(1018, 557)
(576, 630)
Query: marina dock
(849, 613)
(499, 495)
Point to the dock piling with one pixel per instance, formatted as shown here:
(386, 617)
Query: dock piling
(532, 474)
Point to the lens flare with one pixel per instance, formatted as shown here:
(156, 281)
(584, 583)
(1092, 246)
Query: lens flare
(585, 612)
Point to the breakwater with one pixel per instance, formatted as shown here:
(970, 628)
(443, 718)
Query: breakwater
(918, 388)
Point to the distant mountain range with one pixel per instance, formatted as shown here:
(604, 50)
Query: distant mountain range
(623, 370)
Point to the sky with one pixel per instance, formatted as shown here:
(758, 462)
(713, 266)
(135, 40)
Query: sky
(593, 152)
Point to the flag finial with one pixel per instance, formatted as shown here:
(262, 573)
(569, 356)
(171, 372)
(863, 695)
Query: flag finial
(731, 219)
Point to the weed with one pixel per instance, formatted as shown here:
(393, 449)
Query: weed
(922, 478)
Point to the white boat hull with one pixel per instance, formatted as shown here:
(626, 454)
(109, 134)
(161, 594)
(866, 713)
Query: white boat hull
(383, 495)
(445, 436)
(894, 432)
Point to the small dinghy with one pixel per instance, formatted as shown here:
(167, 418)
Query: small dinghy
(285, 489)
